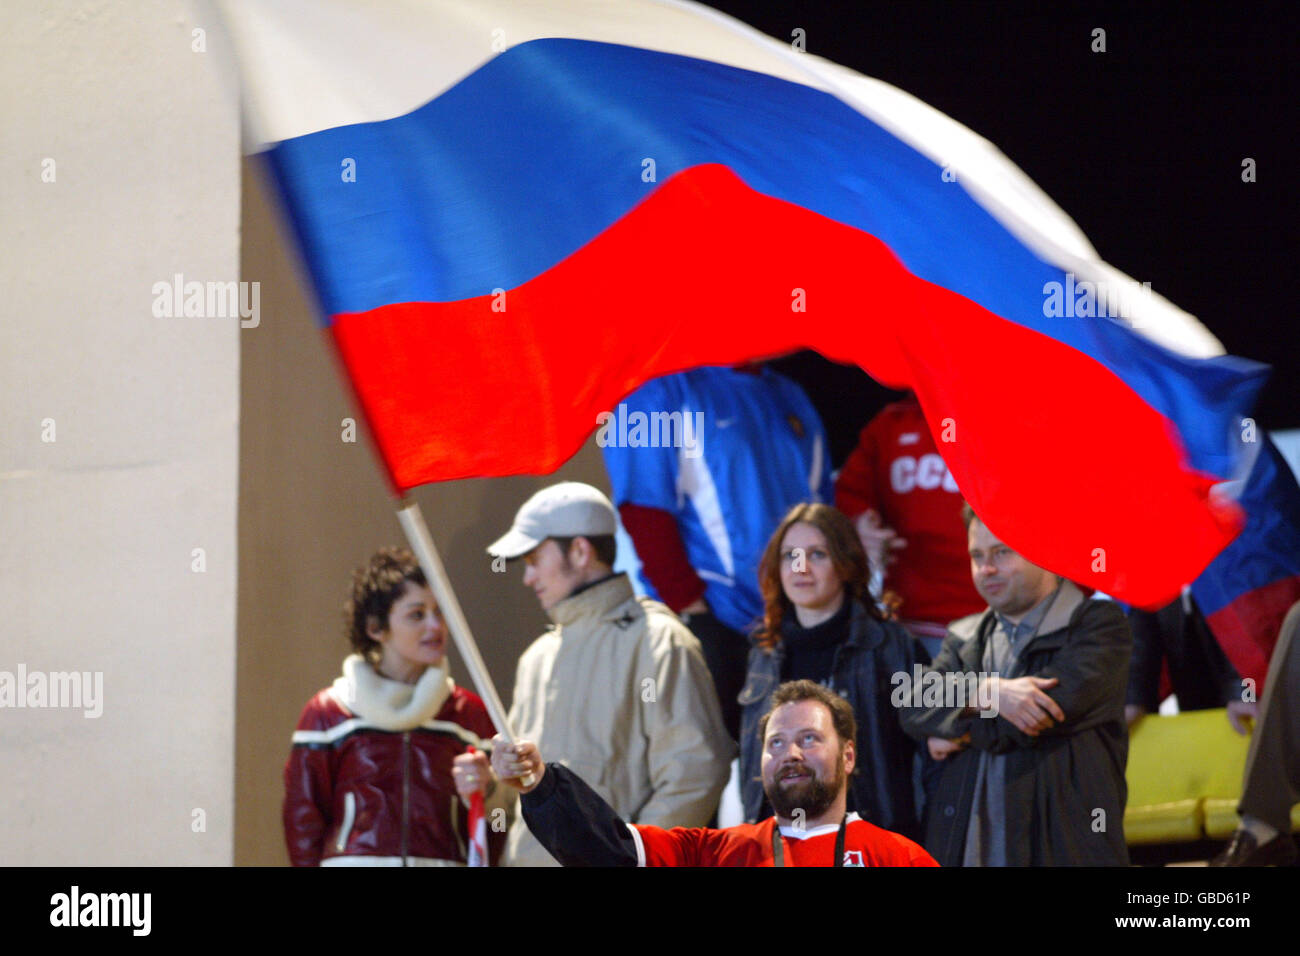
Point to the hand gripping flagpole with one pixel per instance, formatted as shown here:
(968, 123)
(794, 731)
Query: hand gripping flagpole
(417, 533)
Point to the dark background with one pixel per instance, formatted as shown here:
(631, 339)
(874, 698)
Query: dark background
(1141, 145)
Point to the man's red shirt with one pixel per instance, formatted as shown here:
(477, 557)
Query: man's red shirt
(896, 468)
(750, 844)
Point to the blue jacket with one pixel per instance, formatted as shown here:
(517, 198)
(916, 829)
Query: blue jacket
(881, 788)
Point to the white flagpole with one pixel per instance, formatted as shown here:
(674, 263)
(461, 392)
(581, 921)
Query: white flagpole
(417, 533)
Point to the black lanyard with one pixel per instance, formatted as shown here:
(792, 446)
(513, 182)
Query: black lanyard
(778, 845)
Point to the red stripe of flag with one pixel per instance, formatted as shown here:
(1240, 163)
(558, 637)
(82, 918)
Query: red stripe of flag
(1074, 469)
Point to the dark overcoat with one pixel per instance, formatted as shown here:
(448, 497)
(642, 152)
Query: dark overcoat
(1065, 788)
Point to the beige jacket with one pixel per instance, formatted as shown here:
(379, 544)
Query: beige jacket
(618, 692)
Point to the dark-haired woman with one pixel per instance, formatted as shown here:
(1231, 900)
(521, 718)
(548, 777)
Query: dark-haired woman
(820, 623)
(369, 781)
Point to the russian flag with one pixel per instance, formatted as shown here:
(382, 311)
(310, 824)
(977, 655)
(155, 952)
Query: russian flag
(515, 213)
(1247, 590)
(476, 853)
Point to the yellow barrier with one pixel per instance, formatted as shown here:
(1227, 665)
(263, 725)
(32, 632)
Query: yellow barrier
(1184, 778)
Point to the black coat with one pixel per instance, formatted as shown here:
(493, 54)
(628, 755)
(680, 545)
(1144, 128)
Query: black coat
(1065, 788)
(1178, 636)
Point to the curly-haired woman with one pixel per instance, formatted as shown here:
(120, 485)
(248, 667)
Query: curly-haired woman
(820, 623)
(369, 780)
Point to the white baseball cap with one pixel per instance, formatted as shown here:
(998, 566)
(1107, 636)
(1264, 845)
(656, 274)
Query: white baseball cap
(566, 510)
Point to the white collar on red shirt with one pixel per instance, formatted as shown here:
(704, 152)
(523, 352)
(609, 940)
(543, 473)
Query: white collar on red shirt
(796, 833)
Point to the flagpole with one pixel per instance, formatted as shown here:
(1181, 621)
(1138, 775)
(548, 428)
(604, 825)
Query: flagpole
(417, 533)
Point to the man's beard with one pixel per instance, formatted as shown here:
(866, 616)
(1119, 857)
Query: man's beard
(813, 797)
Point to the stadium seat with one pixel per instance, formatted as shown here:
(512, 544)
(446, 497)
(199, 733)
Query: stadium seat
(1184, 778)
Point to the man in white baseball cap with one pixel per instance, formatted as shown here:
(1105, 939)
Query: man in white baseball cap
(617, 689)
(564, 510)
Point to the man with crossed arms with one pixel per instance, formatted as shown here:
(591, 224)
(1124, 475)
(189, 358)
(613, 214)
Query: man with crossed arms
(1036, 777)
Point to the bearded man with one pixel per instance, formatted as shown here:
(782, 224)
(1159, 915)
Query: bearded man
(808, 756)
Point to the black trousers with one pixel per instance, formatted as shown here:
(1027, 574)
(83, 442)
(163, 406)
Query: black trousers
(726, 652)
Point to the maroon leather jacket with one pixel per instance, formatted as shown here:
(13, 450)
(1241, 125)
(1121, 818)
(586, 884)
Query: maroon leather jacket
(357, 794)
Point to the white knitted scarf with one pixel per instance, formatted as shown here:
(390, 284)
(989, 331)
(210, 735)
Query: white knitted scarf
(390, 704)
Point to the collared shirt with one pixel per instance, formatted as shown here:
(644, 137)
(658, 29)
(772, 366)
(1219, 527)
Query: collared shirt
(1009, 639)
(986, 832)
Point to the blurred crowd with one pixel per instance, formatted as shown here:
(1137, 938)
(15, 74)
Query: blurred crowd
(989, 700)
